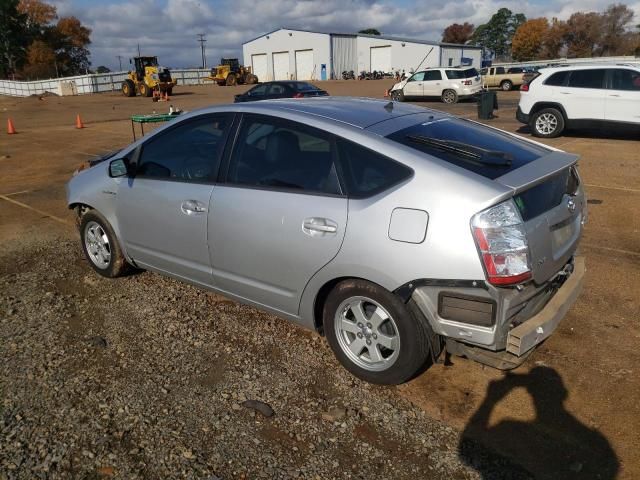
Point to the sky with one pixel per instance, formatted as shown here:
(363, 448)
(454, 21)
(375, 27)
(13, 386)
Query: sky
(169, 28)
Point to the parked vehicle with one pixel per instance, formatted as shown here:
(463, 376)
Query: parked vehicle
(499, 77)
(393, 230)
(580, 96)
(448, 84)
(348, 75)
(282, 89)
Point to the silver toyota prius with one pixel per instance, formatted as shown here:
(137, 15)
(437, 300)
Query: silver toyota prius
(395, 231)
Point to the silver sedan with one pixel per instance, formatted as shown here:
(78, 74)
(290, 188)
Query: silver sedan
(394, 230)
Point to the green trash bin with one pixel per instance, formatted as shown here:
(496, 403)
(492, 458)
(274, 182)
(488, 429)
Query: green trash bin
(487, 103)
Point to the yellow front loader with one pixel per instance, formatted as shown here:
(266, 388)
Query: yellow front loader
(147, 77)
(230, 73)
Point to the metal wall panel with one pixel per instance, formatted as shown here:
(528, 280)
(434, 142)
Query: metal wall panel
(344, 54)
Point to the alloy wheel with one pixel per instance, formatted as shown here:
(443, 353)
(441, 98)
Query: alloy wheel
(546, 124)
(97, 245)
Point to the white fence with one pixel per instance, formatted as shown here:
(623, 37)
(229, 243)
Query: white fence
(93, 83)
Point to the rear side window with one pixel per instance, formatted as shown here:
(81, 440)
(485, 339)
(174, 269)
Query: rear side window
(474, 147)
(305, 87)
(587, 78)
(276, 154)
(366, 172)
(622, 79)
(557, 79)
(499, 70)
(432, 75)
(457, 74)
(276, 89)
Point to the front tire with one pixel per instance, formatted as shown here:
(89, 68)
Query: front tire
(547, 123)
(100, 245)
(145, 91)
(374, 334)
(449, 96)
(397, 95)
(231, 80)
(506, 85)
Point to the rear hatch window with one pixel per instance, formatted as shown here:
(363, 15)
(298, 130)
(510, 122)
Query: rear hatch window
(466, 73)
(473, 147)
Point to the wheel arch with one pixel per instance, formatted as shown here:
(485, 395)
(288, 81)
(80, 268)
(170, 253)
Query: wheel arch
(542, 105)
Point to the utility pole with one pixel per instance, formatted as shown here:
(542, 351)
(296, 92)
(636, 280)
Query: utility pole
(139, 50)
(119, 57)
(202, 40)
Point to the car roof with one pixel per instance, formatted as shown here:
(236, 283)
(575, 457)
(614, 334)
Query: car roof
(448, 68)
(583, 66)
(355, 111)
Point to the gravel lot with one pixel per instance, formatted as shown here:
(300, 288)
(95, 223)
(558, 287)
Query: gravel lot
(145, 377)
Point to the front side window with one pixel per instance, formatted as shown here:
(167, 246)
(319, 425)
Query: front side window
(278, 154)
(189, 152)
(623, 79)
(432, 75)
(259, 90)
(587, 78)
(417, 77)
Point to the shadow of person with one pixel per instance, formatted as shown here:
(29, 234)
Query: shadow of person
(555, 445)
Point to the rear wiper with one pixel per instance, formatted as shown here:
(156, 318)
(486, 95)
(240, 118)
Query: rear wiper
(467, 152)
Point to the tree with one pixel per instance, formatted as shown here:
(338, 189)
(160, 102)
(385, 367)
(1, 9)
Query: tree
(13, 38)
(370, 31)
(38, 14)
(41, 60)
(554, 41)
(614, 29)
(456, 33)
(496, 34)
(583, 34)
(70, 39)
(528, 41)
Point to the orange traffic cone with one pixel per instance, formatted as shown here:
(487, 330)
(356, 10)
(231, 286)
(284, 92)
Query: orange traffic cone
(10, 128)
(79, 123)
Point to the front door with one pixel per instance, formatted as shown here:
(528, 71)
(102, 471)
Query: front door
(162, 211)
(623, 96)
(280, 216)
(432, 84)
(414, 86)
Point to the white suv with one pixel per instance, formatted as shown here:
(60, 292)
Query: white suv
(580, 96)
(449, 84)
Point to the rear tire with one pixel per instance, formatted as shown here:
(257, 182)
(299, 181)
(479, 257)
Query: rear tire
(449, 96)
(506, 85)
(231, 80)
(547, 123)
(374, 334)
(100, 246)
(128, 88)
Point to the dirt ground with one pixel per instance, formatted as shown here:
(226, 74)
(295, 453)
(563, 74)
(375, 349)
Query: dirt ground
(571, 411)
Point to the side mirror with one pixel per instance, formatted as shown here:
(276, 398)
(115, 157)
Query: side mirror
(118, 168)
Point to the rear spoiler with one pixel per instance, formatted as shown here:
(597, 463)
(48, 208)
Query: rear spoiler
(536, 172)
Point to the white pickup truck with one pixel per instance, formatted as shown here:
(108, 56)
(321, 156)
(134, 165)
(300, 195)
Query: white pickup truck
(501, 77)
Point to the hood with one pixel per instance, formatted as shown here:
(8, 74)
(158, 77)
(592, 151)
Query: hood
(399, 85)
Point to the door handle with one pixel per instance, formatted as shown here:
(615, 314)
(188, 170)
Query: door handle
(565, 93)
(192, 207)
(319, 226)
(614, 95)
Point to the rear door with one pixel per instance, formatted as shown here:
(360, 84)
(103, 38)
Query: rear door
(280, 216)
(583, 98)
(162, 211)
(622, 102)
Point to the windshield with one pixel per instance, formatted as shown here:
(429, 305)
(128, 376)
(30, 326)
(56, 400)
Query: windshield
(467, 73)
(469, 145)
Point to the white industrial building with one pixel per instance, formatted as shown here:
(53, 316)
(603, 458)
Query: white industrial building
(288, 53)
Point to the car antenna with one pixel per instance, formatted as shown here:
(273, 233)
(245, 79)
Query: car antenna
(389, 107)
(425, 57)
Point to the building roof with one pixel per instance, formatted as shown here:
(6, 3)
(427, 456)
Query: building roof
(381, 37)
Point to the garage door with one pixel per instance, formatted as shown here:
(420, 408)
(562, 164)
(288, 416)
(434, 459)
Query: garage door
(304, 65)
(381, 59)
(259, 66)
(281, 66)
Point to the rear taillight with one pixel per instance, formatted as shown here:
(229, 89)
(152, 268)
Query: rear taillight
(502, 242)
(298, 95)
(524, 87)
